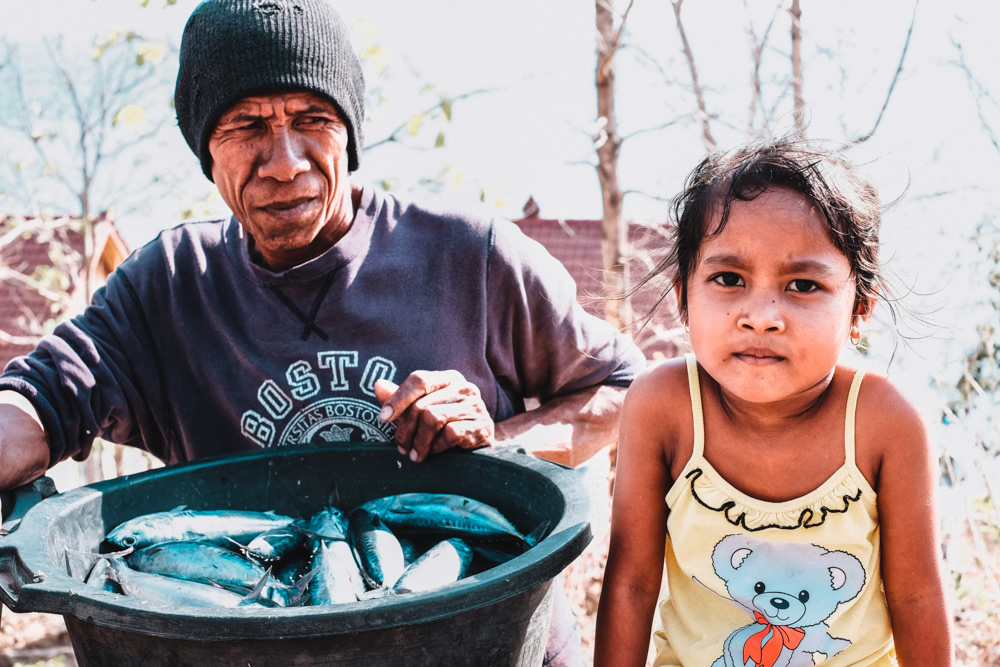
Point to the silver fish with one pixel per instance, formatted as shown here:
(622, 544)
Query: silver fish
(444, 563)
(205, 562)
(376, 549)
(336, 576)
(446, 514)
(330, 523)
(168, 590)
(277, 543)
(182, 524)
(100, 576)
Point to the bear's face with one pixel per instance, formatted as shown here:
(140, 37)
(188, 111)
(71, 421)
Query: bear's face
(794, 585)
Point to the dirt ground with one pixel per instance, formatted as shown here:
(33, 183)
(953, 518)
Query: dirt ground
(40, 640)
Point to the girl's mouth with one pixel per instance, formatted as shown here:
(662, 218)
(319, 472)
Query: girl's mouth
(758, 357)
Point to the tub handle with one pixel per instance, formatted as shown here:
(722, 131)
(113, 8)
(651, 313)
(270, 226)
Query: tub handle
(16, 502)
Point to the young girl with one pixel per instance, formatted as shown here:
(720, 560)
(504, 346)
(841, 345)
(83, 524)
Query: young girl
(795, 495)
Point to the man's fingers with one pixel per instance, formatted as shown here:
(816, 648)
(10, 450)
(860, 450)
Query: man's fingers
(396, 399)
(434, 427)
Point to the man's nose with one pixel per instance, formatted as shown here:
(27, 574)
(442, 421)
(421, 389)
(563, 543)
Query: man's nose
(761, 313)
(284, 158)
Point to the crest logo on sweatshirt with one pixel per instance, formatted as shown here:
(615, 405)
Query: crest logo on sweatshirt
(300, 408)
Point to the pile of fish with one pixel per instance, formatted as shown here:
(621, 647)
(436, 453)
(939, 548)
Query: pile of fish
(403, 543)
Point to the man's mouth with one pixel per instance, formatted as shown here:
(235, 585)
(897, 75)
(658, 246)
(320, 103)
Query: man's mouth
(290, 208)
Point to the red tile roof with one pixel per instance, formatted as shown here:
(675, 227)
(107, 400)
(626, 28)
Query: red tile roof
(577, 244)
(43, 277)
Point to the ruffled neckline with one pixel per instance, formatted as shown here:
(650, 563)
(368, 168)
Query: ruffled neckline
(835, 496)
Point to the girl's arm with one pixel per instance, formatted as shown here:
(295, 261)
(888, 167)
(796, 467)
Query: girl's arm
(638, 522)
(911, 565)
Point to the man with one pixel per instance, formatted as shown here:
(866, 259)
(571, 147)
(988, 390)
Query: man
(294, 320)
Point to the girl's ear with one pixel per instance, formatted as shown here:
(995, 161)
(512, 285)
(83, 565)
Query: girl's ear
(866, 307)
(679, 297)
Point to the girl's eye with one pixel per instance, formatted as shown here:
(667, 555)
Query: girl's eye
(728, 279)
(802, 285)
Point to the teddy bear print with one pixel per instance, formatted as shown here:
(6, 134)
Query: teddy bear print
(790, 590)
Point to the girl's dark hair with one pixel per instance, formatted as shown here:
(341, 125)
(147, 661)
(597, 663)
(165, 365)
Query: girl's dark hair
(847, 201)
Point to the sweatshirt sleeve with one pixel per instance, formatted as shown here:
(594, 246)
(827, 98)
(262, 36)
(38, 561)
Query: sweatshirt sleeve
(541, 342)
(88, 378)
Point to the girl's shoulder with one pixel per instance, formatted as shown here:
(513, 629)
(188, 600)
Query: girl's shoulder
(882, 404)
(886, 424)
(667, 379)
(658, 404)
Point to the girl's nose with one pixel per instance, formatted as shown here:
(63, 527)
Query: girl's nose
(284, 158)
(761, 315)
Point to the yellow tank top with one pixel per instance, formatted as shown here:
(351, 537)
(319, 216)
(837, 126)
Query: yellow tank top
(772, 584)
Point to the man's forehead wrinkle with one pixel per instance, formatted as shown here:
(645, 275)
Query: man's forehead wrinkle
(253, 108)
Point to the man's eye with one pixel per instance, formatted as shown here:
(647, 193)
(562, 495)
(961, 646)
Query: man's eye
(802, 285)
(316, 120)
(728, 279)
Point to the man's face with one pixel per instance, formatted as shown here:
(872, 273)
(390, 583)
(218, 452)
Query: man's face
(280, 163)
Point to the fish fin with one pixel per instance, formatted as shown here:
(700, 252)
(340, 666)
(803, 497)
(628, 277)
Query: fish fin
(254, 595)
(109, 556)
(302, 584)
(240, 548)
(535, 536)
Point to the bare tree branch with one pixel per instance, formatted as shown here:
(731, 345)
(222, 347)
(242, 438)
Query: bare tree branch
(706, 132)
(895, 77)
(797, 95)
(393, 136)
(757, 53)
(979, 93)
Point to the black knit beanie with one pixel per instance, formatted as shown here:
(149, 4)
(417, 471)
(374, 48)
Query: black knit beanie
(233, 49)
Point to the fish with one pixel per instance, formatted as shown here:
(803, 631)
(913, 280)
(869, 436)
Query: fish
(277, 543)
(336, 577)
(444, 563)
(329, 523)
(206, 562)
(181, 524)
(100, 577)
(448, 515)
(376, 549)
(290, 570)
(160, 589)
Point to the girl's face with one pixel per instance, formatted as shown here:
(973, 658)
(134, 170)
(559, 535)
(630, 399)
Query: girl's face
(770, 299)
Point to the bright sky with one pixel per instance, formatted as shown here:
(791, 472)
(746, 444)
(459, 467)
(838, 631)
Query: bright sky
(530, 135)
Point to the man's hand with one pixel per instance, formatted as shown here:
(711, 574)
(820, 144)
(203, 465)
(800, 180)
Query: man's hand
(434, 411)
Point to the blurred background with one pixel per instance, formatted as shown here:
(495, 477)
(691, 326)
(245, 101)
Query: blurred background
(587, 115)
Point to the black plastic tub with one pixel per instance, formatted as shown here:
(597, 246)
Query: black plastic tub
(497, 617)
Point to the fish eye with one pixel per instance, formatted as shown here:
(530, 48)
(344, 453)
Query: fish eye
(803, 596)
(759, 587)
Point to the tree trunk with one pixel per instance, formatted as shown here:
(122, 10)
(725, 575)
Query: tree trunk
(608, 145)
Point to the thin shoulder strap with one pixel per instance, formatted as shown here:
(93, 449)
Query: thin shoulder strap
(699, 422)
(852, 405)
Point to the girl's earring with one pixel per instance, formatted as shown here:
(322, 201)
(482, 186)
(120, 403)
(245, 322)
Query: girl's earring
(855, 336)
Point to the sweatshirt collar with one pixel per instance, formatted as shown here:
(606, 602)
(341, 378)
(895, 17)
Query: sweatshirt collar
(351, 245)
